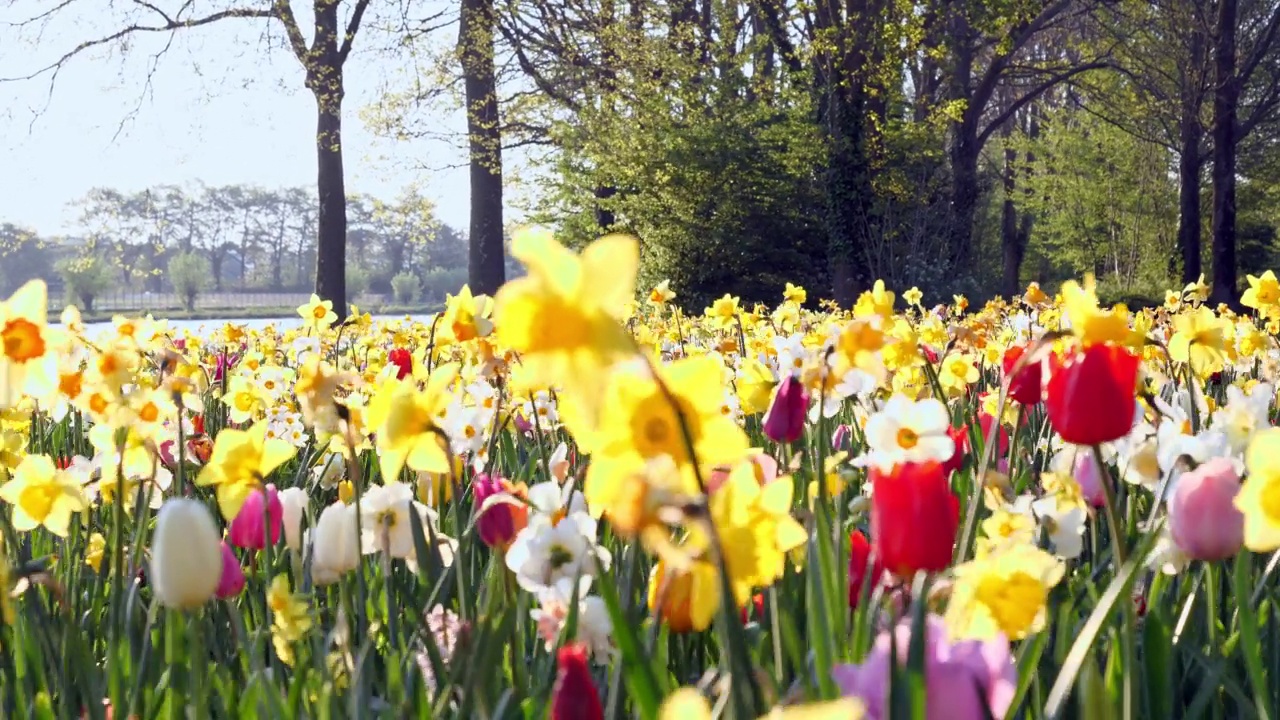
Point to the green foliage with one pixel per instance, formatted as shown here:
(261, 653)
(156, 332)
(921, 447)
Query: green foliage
(86, 277)
(406, 287)
(190, 275)
(438, 282)
(358, 280)
(1104, 202)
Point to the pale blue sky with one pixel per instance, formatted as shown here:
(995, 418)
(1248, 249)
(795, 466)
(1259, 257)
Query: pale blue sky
(225, 106)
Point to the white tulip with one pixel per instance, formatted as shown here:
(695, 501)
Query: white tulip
(335, 546)
(294, 503)
(186, 559)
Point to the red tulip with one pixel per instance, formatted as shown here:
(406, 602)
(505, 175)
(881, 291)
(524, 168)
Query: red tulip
(959, 436)
(1025, 385)
(403, 360)
(1002, 434)
(862, 560)
(784, 421)
(914, 517)
(575, 696)
(755, 609)
(1090, 394)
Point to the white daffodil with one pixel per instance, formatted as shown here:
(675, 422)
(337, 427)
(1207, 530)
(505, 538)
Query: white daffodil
(545, 552)
(908, 431)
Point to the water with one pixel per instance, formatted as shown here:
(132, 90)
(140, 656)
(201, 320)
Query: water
(206, 327)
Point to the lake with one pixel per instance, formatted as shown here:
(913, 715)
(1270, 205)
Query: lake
(204, 327)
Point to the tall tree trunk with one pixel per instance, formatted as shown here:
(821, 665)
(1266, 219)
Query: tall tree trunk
(1226, 96)
(965, 147)
(485, 268)
(324, 78)
(1189, 167)
(1010, 237)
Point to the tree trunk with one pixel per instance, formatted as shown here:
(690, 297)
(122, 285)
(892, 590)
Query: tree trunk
(605, 217)
(331, 242)
(485, 271)
(1226, 96)
(1189, 166)
(1010, 238)
(964, 197)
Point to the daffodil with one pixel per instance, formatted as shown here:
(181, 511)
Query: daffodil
(28, 361)
(1259, 497)
(642, 424)
(1263, 293)
(244, 399)
(876, 301)
(661, 294)
(317, 314)
(1003, 592)
(689, 704)
(1198, 340)
(290, 618)
(794, 294)
(42, 495)
(407, 424)
(1089, 323)
(467, 316)
(562, 318)
(240, 463)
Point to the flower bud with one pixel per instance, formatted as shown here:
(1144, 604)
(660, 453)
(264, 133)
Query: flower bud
(186, 557)
(1203, 519)
(293, 502)
(249, 530)
(841, 438)
(232, 581)
(499, 523)
(575, 696)
(335, 544)
(784, 420)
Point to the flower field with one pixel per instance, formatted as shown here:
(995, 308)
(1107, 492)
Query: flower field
(574, 501)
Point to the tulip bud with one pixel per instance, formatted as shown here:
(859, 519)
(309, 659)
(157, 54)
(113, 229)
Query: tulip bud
(1025, 383)
(784, 420)
(403, 360)
(575, 696)
(862, 562)
(335, 547)
(186, 557)
(232, 581)
(293, 502)
(1203, 519)
(914, 518)
(248, 530)
(1090, 478)
(1089, 395)
(841, 438)
(499, 523)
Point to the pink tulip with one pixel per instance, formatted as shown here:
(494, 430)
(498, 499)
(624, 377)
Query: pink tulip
(1203, 519)
(841, 438)
(1090, 477)
(232, 581)
(500, 522)
(248, 530)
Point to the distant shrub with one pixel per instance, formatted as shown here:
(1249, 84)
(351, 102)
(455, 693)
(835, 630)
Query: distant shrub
(439, 282)
(405, 287)
(190, 274)
(86, 278)
(358, 280)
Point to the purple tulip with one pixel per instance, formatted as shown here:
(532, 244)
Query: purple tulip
(499, 523)
(841, 438)
(784, 421)
(965, 680)
(248, 530)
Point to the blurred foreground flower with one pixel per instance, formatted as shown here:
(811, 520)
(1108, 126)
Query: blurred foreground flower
(1203, 519)
(964, 680)
(575, 696)
(186, 555)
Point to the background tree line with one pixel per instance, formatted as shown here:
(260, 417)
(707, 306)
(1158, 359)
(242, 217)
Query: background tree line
(960, 145)
(235, 239)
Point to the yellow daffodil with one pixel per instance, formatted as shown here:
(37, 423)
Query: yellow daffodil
(794, 294)
(642, 424)
(1259, 496)
(94, 552)
(406, 422)
(1091, 324)
(317, 314)
(240, 463)
(689, 704)
(724, 312)
(562, 318)
(876, 301)
(467, 316)
(1004, 592)
(290, 618)
(1263, 293)
(42, 496)
(1198, 340)
(661, 294)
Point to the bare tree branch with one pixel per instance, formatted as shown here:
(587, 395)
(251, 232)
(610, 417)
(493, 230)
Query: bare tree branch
(353, 26)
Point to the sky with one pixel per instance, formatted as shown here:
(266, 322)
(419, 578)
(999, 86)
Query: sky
(223, 107)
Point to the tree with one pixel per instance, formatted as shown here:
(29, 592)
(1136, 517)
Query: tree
(86, 278)
(484, 141)
(322, 59)
(189, 274)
